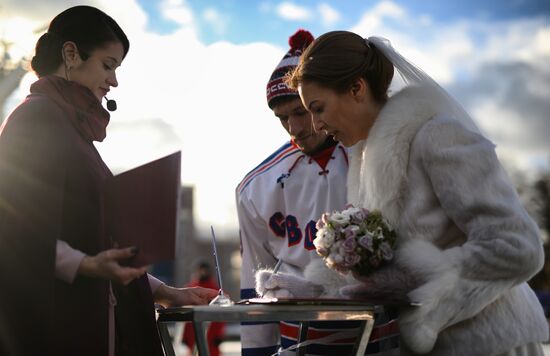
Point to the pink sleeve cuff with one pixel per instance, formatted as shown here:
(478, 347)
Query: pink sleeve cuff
(154, 283)
(67, 260)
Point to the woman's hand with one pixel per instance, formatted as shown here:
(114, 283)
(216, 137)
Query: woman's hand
(174, 297)
(106, 265)
(389, 283)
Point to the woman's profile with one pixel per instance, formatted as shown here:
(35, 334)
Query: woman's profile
(466, 246)
(64, 288)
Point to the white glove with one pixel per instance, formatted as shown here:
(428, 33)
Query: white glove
(285, 285)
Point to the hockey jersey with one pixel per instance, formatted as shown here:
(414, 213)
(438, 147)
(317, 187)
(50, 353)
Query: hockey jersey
(278, 204)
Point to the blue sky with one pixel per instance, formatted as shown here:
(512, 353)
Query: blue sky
(249, 21)
(194, 79)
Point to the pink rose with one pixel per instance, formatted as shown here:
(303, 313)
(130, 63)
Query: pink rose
(351, 260)
(366, 242)
(321, 251)
(349, 244)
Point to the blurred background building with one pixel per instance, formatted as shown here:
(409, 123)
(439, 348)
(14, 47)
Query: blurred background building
(192, 247)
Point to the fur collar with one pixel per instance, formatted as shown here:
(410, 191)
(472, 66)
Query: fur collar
(378, 166)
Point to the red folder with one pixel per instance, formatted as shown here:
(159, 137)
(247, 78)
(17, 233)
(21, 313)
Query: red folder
(141, 209)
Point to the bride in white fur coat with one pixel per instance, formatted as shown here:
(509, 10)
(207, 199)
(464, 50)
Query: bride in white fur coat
(466, 245)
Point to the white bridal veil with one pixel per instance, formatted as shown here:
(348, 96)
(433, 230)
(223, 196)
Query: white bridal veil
(412, 75)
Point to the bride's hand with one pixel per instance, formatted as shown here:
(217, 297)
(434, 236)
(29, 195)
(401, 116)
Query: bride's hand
(389, 283)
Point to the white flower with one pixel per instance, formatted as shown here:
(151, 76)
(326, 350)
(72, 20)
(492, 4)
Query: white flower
(324, 237)
(338, 219)
(349, 212)
(345, 243)
(379, 233)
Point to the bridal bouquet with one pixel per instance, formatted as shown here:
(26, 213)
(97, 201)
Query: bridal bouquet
(354, 239)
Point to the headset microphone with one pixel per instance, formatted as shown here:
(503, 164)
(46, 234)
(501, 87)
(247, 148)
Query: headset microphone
(111, 104)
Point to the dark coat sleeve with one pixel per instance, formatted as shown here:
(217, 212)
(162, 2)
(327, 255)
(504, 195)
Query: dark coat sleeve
(32, 171)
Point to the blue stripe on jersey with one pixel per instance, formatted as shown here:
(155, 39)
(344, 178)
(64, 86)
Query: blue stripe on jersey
(267, 164)
(248, 293)
(248, 323)
(273, 155)
(259, 351)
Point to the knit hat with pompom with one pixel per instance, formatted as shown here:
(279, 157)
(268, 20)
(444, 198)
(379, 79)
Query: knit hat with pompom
(276, 86)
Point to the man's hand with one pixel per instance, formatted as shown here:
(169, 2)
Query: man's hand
(284, 285)
(106, 265)
(174, 297)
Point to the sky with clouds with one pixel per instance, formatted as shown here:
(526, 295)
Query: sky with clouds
(195, 76)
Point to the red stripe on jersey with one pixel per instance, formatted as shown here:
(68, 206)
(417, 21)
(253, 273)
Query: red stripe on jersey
(291, 331)
(262, 168)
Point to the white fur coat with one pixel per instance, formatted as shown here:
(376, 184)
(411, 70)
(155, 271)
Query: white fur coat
(462, 231)
(466, 245)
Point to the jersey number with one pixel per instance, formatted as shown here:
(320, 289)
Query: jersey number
(289, 226)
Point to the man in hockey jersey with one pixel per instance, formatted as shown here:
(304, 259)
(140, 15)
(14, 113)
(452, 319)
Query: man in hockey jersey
(278, 204)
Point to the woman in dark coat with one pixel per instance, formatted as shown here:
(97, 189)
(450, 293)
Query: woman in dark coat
(62, 286)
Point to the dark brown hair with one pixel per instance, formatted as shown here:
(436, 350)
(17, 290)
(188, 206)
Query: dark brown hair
(89, 28)
(337, 59)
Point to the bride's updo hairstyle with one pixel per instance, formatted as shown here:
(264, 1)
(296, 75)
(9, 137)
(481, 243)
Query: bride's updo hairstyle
(337, 59)
(89, 28)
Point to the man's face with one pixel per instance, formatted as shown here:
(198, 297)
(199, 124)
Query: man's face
(297, 122)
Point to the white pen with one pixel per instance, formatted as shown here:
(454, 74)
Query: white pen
(275, 270)
(218, 272)
(277, 266)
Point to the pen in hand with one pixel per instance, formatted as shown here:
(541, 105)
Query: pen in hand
(275, 270)
(277, 266)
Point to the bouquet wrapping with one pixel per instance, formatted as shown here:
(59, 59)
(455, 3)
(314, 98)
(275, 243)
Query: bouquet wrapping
(355, 239)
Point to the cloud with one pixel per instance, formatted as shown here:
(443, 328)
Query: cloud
(212, 105)
(178, 93)
(209, 100)
(38, 10)
(498, 70)
(177, 11)
(216, 20)
(510, 103)
(329, 15)
(292, 12)
(375, 17)
(289, 11)
(131, 143)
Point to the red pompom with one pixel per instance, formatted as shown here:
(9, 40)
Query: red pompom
(300, 40)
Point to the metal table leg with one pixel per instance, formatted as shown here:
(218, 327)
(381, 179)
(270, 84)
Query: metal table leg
(363, 338)
(166, 339)
(304, 326)
(200, 338)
